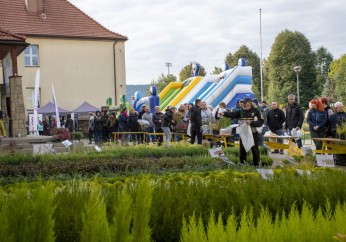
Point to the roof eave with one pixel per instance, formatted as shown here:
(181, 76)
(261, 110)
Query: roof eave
(77, 37)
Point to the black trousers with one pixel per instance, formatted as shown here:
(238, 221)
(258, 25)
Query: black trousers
(254, 149)
(196, 131)
(159, 138)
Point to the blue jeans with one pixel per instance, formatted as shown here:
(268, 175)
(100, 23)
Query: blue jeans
(147, 136)
(298, 141)
(98, 136)
(167, 132)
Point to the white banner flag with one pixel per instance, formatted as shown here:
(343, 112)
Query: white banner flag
(36, 97)
(56, 108)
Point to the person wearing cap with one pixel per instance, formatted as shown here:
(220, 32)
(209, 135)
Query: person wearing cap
(251, 116)
(337, 119)
(294, 116)
(317, 119)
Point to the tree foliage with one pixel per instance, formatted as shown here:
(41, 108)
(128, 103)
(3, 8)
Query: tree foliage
(217, 70)
(291, 49)
(186, 71)
(163, 80)
(253, 60)
(323, 60)
(338, 74)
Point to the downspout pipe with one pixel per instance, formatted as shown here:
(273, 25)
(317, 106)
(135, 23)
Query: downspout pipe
(115, 74)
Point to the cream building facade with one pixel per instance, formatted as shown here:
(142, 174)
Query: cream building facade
(84, 60)
(81, 70)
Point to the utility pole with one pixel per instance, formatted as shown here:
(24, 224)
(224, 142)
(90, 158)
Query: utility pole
(261, 70)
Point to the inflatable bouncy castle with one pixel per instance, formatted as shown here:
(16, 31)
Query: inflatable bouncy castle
(228, 86)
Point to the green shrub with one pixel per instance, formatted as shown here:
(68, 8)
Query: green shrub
(129, 203)
(76, 135)
(297, 226)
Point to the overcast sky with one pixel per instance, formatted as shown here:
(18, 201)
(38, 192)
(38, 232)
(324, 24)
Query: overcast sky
(181, 31)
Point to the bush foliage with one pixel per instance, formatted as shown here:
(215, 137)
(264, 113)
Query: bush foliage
(153, 207)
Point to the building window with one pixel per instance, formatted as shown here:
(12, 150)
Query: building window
(31, 55)
(30, 97)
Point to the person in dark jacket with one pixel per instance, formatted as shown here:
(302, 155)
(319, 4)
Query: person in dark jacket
(105, 117)
(98, 128)
(134, 126)
(337, 119)
(275, 120)
(123, 125)
(251, 116)
(157, 120)
(294, 116)
(329, 111)
(167, 123)
(196, 123)
(46, 126)
(69, 123)
(317, 119)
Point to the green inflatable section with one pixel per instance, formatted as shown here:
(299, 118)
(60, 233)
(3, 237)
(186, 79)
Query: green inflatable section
(167, 96)
(169, 99)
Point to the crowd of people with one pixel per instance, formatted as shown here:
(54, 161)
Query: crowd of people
(321, 118)
(49, 123)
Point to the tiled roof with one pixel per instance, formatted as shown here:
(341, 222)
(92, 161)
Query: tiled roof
(8, 36)
(62, 19)
(9, 40)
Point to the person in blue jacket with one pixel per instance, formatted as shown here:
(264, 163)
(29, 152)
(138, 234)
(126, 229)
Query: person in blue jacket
(317, 119)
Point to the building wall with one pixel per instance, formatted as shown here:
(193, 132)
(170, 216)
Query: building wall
(81, 70)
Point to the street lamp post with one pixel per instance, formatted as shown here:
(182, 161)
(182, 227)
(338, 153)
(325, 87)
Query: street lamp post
(297, 69)
(168, 64)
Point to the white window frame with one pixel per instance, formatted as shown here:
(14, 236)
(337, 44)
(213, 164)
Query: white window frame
(29, 101)
(29, 53)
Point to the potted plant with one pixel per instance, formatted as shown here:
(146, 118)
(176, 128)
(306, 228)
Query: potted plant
(224, 122)
(215, 127)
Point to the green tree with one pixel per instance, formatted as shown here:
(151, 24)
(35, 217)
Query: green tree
(323, 60)
(253, 60)
(338, 74)
(329, 89)
(217, 70)
(162, 81)
(291, 49)
(186, 71)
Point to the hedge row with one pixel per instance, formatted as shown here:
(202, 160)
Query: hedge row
(83, 206)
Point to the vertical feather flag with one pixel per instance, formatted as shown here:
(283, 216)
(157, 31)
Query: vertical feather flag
(56, 108)
(36, 96)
